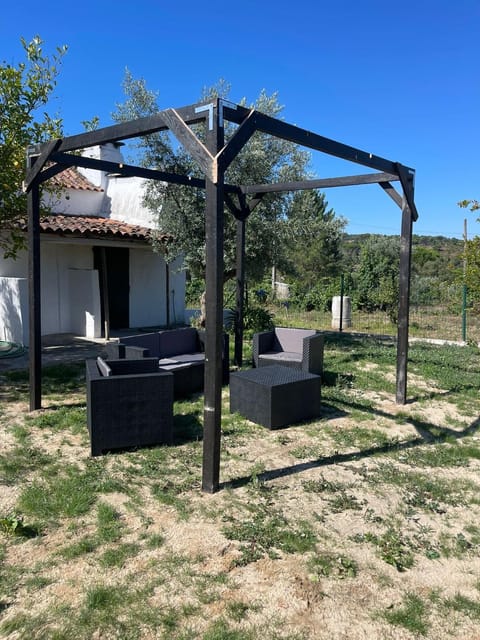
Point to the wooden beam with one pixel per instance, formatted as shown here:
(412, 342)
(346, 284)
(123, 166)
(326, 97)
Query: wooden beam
(126, 170)
(391, 191)
(407, 178)
(321, 183)
(69, 160)
(133, 129)
(34, 296)
(311, 140)
(239, 289)
(191, 143)
(40, 162)
(240, 138)
(214, 232)
(404, 305)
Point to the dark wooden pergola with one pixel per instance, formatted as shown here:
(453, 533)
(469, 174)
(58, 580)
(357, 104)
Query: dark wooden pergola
(213, 157)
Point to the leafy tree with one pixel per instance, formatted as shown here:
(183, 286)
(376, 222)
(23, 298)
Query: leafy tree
(24, 90)
(180, 210)
(473, 205)
(314, 238)
(378, 275)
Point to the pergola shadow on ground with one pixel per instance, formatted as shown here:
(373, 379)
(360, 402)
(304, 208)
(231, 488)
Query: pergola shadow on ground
(213, 156)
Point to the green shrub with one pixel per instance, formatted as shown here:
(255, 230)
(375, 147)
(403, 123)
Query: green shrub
(257, 319)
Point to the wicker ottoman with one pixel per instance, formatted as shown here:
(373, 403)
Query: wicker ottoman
(275, 396)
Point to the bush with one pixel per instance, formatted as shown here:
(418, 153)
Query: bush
(318, 298)
(256, 319)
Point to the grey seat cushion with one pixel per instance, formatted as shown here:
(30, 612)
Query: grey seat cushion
(280, 356)
(190, 357)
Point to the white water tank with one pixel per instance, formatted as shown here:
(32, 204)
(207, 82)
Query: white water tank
(346, 311)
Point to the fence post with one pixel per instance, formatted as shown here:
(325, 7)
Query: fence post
(464, 313)
(340, 326)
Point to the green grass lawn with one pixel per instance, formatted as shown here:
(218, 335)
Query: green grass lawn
(362, 523)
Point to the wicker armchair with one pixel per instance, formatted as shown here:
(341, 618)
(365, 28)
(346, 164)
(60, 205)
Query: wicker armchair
(296, 348)
(129, 404)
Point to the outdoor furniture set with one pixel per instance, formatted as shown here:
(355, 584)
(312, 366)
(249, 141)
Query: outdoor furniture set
(130, 394)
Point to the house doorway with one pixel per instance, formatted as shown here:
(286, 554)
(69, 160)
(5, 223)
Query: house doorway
(113, 266)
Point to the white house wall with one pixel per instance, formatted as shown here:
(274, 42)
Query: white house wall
(177, 292)
(14, 309)
(124, 196)
(148, 290)
(78, 202)
(70, 298)
(57, 294)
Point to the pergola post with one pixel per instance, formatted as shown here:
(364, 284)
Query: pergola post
(214, 229)
(240, 290)
(403, 305)
(34, 296)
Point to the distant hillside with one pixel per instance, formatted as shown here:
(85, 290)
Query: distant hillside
(433, 256)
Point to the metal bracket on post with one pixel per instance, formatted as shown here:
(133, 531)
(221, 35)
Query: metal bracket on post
(207, 107)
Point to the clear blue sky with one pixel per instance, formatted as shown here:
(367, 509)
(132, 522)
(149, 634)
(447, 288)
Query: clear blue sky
(400, 80)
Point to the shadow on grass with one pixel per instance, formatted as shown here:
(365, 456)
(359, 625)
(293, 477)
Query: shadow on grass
(428, 434)
(187, 428)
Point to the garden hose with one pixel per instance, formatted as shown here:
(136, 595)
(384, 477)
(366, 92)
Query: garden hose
(11, 349)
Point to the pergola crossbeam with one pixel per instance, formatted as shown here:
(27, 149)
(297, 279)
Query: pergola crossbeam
(140, 127)
(306, 138)
(126, 170)
(322, 183)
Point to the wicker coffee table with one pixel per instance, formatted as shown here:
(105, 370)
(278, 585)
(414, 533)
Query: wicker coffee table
(275, 396)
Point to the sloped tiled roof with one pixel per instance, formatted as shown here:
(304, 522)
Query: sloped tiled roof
(70, 178)
(93, 227)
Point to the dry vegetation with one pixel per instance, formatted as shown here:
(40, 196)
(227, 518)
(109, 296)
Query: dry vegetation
(363, 524)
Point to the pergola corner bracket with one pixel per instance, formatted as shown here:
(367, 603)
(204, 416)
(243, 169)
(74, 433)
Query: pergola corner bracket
(239, 139)
(40, 162)
(191, 143)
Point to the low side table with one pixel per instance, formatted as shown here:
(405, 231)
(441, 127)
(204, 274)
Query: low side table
(275, 396)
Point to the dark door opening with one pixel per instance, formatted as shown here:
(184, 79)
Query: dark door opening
(114, 269)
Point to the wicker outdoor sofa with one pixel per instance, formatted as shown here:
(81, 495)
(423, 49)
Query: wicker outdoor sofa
(181, 351)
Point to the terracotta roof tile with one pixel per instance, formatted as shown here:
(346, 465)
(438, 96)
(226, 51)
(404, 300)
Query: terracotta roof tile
(70, 178)
(93, 227)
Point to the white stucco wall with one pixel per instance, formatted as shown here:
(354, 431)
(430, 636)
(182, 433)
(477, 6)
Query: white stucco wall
(177, 292)
(85, 309)
(70, 298)
(148, 290)
(78, 202)
(56, 290)
(123, 201)
(120, 198)
(57, 293)
(14, 310)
